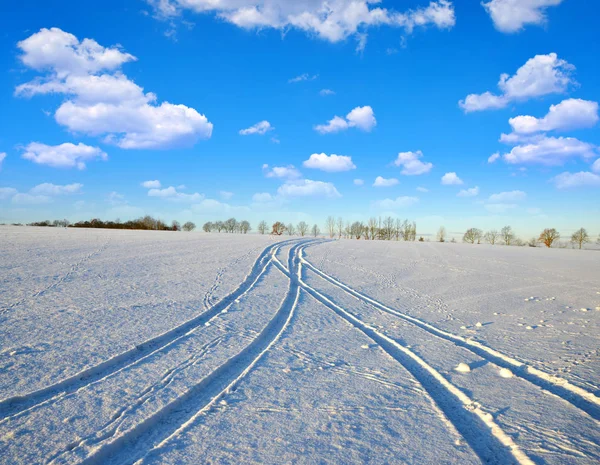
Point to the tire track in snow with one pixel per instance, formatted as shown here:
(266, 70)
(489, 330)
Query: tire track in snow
(16, 406)
(575, 395)
(477, 427)
(149, 437)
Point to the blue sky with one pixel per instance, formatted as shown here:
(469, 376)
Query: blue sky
(216, 102)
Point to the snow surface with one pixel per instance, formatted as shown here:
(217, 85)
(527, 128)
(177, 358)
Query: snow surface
(122, 347)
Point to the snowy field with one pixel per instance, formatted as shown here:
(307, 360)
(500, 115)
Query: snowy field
(122, 347)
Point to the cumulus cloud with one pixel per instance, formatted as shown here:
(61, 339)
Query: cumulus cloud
(512, 15)
(53, 189)
(260, 128)
(450, 179)
(539, 76)
(359, 182)
(507, 197)
(550, 151)
(152, 184)
(171, 193)
(65, 155)
(582, 179)
(596, 166)
(494, 157)
(6, 192)
(100, 100)
(327, 20)
(569, 114)
(308, 188)
(29, 199)
(362, 118)
(383, 182)
(472, 192)
(411, 163)
(395, 204)
(115, 199)
(332, 163)
(282, 172)
(262, 197)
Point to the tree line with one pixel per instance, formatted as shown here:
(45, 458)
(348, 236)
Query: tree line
(229, 226)
(144, 223)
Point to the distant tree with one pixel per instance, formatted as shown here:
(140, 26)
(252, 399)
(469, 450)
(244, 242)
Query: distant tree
(302, 228)
(491, 237)
(219, 226)
(208, 227)
(357, 229)
(262, 227)
(175, 226)
(441, 234)
(473, 235)
(598, 240)
(548, 236)
(580, 237)
(372, 225)
(532, 242)
(245, 227)
(421, 239)
(291, 229)
(330, 226)
(278, 228)
(315, 230)
(230, 225)
(189, 226)
(507, 235)
(340, 226)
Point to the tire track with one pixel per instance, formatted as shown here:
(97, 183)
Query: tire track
(13, 407)
(477, 427)
(149, 437)
(575, 395)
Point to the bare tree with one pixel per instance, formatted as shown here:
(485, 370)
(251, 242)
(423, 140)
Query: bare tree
(340, 227)
(175, 226)
(315, 230)
(473, 235)
(548, 236)
(580, 237)
(291, 230)
(189, 226)
(441, 234)
(491, 236)
(330, 225)
(357, 229)
(302, 228)
(220, 226)
(278, 228)
(598, 240)
(230, 225)
(245, 227)
(372, 225)
(262, 227)
(507, 234)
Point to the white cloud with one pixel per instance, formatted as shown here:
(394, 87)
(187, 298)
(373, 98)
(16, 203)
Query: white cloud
(397, 203)
(499, 207)
(422, 189)
(107, 104)
(282, 172)
(303, 77)
(569, 114)
(596, 166)
(451, 179)
(326, 92)
(581, 179)
(472, 192)
(29, 199)
(359, 182)
(115, 199)
(411, 165)
(328, 20)
(332, 163)
(507, 197)
(225, 195)
(53, 189)
(6, 192)
(152, 184)
(262, 197)
(539, 76)
(493, 157)
(259, 128)
(170, 193)
(550, 151)
(65, 155)
(362, 118)
(383, 182)
(511, 15)
(2, 157)
(308, 188)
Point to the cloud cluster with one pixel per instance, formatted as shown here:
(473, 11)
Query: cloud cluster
(568, 114)
(383, 182)
(40, 194)
(330, 163)
(539, 76)
(281, 172)
(512, 15)
(411, 163)
(362, 118)
(100, 100)
(307, 188)
(451, 179)
(65, 155)
(472, 192)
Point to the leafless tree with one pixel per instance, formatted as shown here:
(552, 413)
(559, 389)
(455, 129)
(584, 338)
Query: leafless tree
(347, 230)
(315, 230)
(189, 226)
(372, 225)
(175, 226)
(548, 236)
(507, 234)
(330, 226)
(220, 226)
(302, 228)
(491, 237)
(598, 240)
(580, 237)
(245, 227)
(291, 229)
(532, 242)
(340, 227)
(262, 227)
(441, 234)
(473, 235)
(357, 229)
(230, 225)
(278, 228)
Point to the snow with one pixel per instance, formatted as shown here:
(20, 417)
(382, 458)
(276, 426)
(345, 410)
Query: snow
(120, 347)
